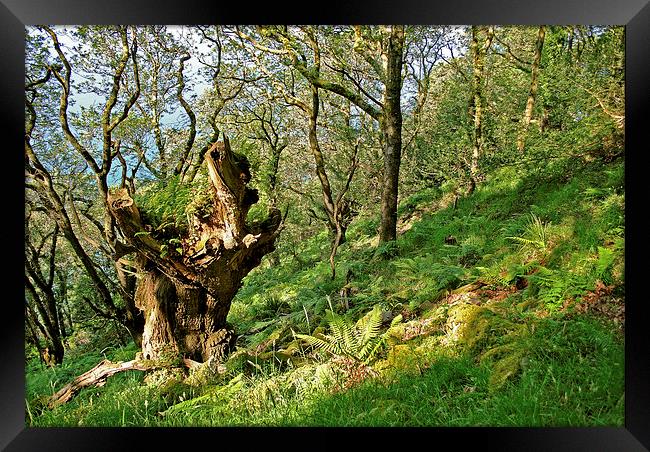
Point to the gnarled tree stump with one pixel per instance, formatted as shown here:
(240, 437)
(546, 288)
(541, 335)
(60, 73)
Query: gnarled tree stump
(186, 296)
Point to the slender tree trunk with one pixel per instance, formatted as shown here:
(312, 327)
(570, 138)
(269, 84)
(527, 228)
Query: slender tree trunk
(273, 176)
(326, 190)
(339, 239)
(53, 353)
(478, 60)
(391, 127)
(528, 112)
(62, 328)
(39, 285)
(476, 105)
(336, 210)
(64, 314)
(32, 322)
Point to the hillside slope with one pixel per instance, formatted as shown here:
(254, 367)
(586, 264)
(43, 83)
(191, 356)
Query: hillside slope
(505, 308)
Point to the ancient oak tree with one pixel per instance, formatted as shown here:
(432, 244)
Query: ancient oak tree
(186, 293)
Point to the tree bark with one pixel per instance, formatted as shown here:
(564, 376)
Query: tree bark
(133, 319)
(185, 296)
(183, 319)
(32, 322)
(326, 190)
(391, 126)
(478, 53)
(532, 94)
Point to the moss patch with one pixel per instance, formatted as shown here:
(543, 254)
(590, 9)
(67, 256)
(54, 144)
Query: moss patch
(484, 333)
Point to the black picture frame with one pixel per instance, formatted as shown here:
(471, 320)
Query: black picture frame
(634, 14)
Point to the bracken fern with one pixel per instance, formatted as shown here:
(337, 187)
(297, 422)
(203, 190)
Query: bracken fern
(535, 234)
(360, 341)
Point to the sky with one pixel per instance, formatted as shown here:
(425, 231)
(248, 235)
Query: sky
(191, 67)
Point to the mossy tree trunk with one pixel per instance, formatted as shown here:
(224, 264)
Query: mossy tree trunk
(186, 294)
(532, 93)
(479, 53)
(391, 127)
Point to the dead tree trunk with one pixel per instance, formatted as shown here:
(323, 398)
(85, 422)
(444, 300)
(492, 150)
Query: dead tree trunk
(185, 294)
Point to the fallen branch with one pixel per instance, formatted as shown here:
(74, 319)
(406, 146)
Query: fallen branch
(97, 377)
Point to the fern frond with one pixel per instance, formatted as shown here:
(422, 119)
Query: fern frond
(370, 349)
(605, 260)
(534, 235)
(342, 331)
(318, 343)
(359, 341)
(369, 325)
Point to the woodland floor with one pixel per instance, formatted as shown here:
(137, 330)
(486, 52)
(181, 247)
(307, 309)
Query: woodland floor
(510, 323)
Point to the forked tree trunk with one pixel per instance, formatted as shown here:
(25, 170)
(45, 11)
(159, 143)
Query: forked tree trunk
(185, 319)
(185, 297)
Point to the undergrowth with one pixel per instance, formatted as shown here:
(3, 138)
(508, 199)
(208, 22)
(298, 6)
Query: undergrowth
(497, 297)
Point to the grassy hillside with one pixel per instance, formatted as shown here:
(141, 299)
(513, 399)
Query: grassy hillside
(504, 308)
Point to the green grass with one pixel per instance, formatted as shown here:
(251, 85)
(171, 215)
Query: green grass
(574, 377)
(562, 369)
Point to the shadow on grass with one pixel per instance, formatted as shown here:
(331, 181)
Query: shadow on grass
(572, 377)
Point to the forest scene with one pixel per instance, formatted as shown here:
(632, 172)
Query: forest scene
(286, 225)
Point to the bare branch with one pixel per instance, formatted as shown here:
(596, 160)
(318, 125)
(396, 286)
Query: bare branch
(63, 107)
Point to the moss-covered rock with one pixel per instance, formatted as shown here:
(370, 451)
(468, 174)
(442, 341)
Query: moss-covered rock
(469, 326)
(401, 358)
(165, 377)
(412, 331)
(210, 372)
(432, 345)
(485, 333)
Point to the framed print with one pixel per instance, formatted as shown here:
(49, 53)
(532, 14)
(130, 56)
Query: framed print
(410, 216)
